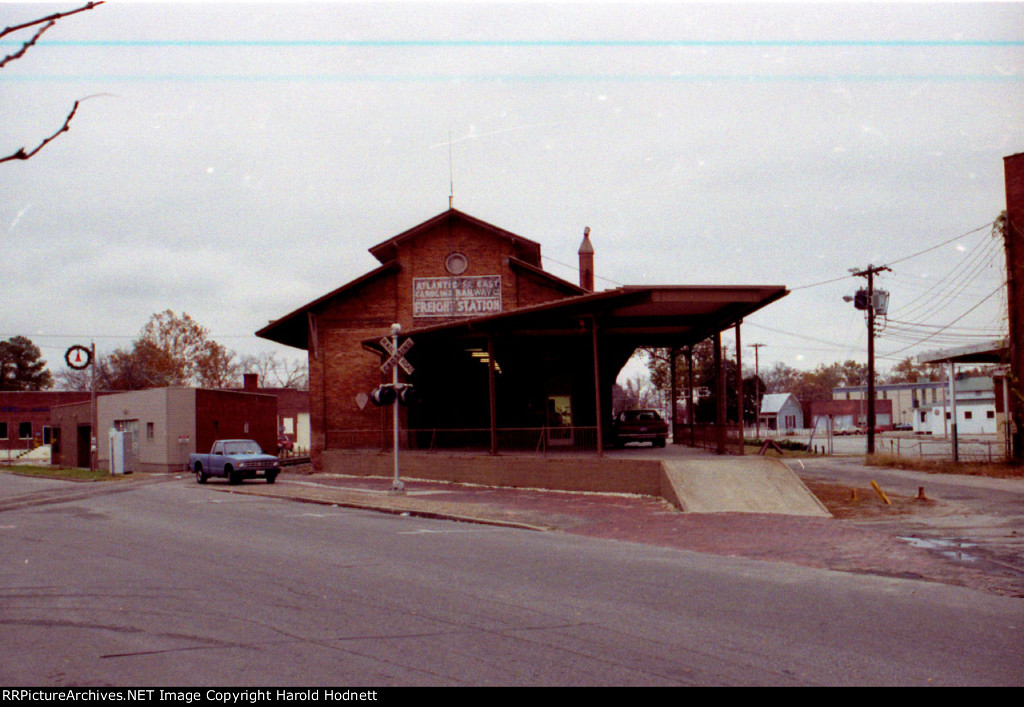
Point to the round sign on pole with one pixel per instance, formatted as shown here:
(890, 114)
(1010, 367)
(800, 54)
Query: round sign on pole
(78, 357)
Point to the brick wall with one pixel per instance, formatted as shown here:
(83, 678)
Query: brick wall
(71, 447)
(572, 473)
(343, 368)
(223, 414)
(30, 410)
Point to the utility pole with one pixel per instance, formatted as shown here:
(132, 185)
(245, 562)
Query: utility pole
(868, 303)
(757, 390)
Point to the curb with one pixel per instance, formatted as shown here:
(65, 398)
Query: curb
(322, 498)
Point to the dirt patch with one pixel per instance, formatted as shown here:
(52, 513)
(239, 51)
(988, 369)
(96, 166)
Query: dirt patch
(995, 470)
(845, 501)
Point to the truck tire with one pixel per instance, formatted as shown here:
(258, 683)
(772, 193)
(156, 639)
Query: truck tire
(234, 477)
(271, 477)
(201, 475)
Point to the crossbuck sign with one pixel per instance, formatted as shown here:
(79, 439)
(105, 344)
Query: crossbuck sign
(397, 356)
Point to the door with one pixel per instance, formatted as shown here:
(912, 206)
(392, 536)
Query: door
(559, 420)
(84, 460)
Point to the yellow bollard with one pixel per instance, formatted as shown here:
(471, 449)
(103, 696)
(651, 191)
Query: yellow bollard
(881, 493)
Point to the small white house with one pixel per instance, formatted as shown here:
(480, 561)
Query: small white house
(781, 411)
(975, 409)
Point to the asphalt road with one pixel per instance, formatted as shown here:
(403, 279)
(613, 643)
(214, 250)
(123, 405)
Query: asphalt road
(171, 583)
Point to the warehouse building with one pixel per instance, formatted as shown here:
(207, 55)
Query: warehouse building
(504, 355)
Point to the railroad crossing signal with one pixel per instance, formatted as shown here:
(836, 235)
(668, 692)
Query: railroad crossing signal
(397, 356)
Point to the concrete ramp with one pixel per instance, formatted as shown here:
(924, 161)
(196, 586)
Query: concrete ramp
(738, 485)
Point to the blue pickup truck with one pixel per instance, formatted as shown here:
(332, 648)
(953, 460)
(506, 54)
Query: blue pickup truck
(235, 459)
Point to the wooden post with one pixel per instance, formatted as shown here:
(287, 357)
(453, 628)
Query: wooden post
(690, 417)
(94, 447)
(739, 384)
(719, 396)
(490, 393)
(673, 352)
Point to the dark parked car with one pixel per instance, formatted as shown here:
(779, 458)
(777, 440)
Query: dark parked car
(640, 426)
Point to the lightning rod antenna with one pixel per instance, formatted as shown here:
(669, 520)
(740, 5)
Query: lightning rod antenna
(451, 173)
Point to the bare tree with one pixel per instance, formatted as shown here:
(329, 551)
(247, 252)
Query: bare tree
(273, 372)
(42, 24)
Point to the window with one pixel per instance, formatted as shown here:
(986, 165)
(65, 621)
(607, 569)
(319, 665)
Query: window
(24, 430)
(149, 430)
(3, 430)
(968, 415)
(990, 414)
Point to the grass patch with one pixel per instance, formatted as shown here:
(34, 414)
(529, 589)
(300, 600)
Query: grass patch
(996, 470)
(58, 472)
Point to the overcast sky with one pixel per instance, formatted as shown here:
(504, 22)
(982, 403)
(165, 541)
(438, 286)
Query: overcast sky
(236, 161)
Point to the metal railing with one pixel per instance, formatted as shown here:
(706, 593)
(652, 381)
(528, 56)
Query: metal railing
(511, 440)
(707, 436)
(968, 450)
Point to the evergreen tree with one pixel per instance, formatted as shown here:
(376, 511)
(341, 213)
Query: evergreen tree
(22, 367)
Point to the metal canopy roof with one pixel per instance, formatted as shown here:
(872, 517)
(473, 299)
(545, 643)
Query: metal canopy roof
(649, 316)
(989, 352)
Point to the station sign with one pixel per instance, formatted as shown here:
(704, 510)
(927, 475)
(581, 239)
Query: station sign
(456, 296)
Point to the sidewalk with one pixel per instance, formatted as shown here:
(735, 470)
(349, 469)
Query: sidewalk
(824, 543)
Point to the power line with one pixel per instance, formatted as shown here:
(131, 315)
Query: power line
(930, 336)
(898, 260)
(939, 245)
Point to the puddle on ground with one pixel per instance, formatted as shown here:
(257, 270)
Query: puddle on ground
(952, 549)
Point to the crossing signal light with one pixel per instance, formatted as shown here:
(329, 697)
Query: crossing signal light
(383, 395)
(408, 395)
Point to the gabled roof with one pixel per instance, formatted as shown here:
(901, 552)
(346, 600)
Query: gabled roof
(772, 403)
(293, 328)
(526, 250)
(567, 287)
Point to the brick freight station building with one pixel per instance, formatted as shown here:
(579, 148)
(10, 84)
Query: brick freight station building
(506, 356)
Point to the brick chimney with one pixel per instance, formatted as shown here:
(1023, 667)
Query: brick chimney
(251, 382)
(586, 253)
